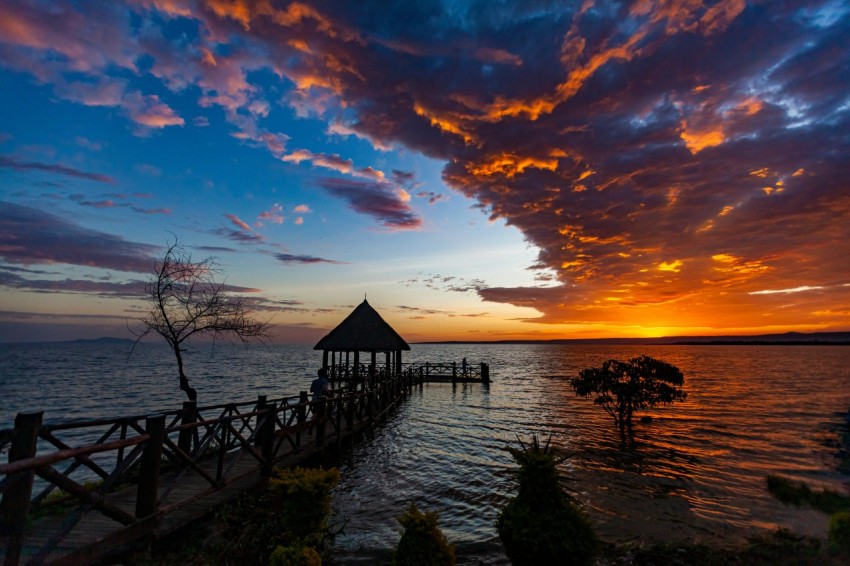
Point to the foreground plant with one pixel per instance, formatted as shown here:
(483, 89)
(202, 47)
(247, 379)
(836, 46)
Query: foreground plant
(622, 388)
(282, 522)
(835, 504)
(543, 524)
(422, 542)
(301, 498)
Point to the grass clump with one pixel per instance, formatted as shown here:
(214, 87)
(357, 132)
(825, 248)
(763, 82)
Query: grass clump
(780, 548)
(422, 542)
(542, 524)
(799, 494)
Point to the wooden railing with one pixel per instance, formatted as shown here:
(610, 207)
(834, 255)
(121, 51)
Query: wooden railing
(455, 371)
(139, 471)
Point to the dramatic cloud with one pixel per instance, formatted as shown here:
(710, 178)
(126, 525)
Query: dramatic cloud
(668, 159)
(131, 289)
(10, 162)
(389, 206)
(30, 237)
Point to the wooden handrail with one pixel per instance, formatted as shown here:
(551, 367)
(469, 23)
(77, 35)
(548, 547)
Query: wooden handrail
(30, 464)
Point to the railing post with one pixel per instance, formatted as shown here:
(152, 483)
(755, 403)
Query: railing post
(16, 498)
(261, 404)
(224, 423)
(454, 372)
(147, 492)
(188, 416)
(265, 436)
(485, 372)
(337, 416)
(319, 408)
(301, 416)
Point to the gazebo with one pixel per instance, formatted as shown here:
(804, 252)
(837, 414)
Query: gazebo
(362, 331)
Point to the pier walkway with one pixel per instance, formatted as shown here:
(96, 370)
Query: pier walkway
(106, 483)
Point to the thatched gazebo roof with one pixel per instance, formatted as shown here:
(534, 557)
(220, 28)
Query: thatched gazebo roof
(365, 331)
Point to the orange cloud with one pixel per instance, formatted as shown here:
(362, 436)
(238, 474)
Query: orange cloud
(510, 165)
(672, 266)
(698, 140)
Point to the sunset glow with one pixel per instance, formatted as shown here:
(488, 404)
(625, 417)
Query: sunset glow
(478, 170)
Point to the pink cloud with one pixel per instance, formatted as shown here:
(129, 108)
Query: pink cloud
(273, 215)
(238, 222)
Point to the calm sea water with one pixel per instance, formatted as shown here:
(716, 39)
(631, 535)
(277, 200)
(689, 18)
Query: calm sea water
(697, 471)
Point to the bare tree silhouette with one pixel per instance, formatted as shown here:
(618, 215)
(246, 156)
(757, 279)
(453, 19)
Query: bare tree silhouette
(185, 301)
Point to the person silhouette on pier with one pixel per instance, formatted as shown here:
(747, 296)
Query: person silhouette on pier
(319, 390)
(463, 367)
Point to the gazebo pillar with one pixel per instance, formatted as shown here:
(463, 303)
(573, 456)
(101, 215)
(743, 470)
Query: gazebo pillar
(356, 372)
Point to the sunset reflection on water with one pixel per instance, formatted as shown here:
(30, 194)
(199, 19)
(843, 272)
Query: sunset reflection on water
(696, 471)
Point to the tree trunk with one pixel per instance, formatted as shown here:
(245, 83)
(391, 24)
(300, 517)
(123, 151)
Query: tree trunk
(184, 381)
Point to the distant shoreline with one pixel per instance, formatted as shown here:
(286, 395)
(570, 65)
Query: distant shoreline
(788, 339)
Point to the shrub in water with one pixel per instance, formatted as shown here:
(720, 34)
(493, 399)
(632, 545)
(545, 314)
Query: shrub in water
(542, 525)
(422, 542)
(301, 497)
(839, 532)
(295, 556)
(622, 388)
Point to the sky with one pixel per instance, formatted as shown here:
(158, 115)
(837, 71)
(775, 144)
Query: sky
(480, 170)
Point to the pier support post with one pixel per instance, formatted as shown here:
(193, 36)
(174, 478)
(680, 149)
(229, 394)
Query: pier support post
(454, 372)
(188, 416)
(16, 498)
(485, 372)
(147, 492)
(265, 436)
(349, 411)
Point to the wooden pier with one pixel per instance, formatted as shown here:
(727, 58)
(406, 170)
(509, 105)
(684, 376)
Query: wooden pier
(107, 483)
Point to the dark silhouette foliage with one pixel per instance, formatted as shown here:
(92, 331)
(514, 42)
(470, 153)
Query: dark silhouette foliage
(422, 542)
(302, 501)
(543, 524)
(622, 388)
(839, 533)
(186, 301)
